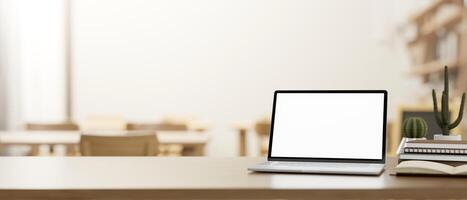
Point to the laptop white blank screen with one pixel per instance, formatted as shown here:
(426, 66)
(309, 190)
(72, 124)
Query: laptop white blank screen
(328, 125)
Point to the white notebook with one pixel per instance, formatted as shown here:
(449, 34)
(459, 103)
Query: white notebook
(437, 144)
(434, 157)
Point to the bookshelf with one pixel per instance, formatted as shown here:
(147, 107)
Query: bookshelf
(439, 39)
(434, 67)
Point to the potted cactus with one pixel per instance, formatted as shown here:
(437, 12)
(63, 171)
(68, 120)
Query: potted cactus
(443, 117)
(414, 128)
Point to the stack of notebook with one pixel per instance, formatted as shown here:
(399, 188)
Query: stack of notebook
(432, 157)
(434, 150)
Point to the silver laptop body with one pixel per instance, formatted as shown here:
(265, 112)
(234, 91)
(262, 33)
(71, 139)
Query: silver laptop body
(327, 132)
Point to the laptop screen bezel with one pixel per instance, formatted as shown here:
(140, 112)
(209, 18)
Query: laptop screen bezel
(347, 160)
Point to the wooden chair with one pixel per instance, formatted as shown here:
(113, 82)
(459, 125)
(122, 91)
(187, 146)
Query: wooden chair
(165, 150)
(125, 145)
(263, 129)
(65, 126)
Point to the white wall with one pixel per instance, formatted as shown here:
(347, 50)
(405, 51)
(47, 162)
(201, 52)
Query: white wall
(5, 37)
(9, 62)
(32, 61)
(41, 47)
(222, 59)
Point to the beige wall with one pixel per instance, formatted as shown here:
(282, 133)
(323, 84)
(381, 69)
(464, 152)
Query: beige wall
(221, 60)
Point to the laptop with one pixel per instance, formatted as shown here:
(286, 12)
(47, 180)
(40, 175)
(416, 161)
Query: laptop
(328, 131)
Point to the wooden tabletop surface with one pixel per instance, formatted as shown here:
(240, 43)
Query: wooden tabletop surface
(179, 178)
(73, 137)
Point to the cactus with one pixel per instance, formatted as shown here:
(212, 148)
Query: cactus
(443, 118)
(414, 127)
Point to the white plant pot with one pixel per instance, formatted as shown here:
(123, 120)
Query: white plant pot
(447, 137)
(411, 139)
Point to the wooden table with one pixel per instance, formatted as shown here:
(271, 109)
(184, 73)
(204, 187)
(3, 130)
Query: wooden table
(195, 142)
(199, 177)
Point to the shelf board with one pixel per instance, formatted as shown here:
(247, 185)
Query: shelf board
(433, 67)
(447, 23)
(431, 8)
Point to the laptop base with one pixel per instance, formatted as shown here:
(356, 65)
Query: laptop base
(319, 168)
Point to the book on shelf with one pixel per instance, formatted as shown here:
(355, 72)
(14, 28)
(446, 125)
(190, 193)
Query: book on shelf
(430, 168)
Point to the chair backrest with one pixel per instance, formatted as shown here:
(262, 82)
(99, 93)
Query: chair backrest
(103, 123)
(156, 127)
(263, 129)
(119, 145)
(51, 127)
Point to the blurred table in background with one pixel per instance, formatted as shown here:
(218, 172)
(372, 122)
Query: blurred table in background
(193, 142)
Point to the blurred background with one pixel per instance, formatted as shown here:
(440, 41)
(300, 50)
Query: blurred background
(210, 67)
